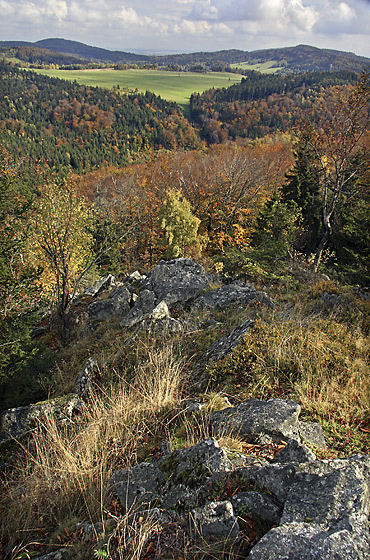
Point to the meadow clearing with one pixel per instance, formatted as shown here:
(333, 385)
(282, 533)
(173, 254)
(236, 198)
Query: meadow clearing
(173, 86)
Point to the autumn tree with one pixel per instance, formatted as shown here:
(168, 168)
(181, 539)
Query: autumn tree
(179, 224)
(336, 148)
(61, 244)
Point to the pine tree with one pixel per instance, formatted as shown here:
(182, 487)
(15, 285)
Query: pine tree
(303, 187)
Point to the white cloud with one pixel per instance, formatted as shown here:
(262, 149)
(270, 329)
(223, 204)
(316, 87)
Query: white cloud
(6, 8)
(303, 17)
(57, 9)
(184, 25)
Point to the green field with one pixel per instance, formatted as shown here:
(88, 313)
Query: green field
(270, 67)
(173, 86)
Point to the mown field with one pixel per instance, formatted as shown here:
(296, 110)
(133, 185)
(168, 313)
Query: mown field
(270, 67)
(173, 86)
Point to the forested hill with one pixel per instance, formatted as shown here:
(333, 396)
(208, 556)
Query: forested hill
(262, 103)
(301, 58)
(78, 127)
(80, 50)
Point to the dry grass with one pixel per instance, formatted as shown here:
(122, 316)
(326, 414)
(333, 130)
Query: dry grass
(64, 471)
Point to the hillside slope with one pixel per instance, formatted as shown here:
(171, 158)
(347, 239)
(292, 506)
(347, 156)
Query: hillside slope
(301, 58)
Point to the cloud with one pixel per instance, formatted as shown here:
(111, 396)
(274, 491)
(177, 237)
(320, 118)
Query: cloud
(280, 13)
(188, 25)
(303, 17)
(6, 8)
(350, 17)
(57, 9)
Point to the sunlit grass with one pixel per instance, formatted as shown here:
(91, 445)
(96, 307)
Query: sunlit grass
(172, 86)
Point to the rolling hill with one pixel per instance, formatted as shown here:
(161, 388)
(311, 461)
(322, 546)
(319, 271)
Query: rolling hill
(301, 58)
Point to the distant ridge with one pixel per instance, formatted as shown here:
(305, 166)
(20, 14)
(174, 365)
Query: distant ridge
(301, 58)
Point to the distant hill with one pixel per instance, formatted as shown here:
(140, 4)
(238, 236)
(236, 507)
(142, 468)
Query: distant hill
(302, 58)
(80, 50)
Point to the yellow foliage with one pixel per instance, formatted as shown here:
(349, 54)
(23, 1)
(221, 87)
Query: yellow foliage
(61, 242)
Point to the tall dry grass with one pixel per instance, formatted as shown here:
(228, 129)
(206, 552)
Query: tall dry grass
(63, 472)
(321, 362)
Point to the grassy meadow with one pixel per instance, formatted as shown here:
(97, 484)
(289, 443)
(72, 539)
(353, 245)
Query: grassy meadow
(173, 86)
(269, 67)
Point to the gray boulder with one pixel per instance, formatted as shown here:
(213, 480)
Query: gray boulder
(105, 283)
(177, 280)
(215, 519)
(140, 485)
(325, 514)
(14, 422)
(258, 421)
(294, 452)
(116, 304)
(311, 510)
(142, 308)
(232, 295)
(324, 499)
(312, 432)
(176, 479)
(275, 479)
(87, 378)
(305, 541)
(261, 506)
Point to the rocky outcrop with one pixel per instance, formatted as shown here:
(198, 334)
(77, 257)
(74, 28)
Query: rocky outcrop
(295, 507)
(14, 422)
(178, 281)
(265, 422)
(325, 514)
(116, 304)
(87, 379)
(106, 283)
(175, 480)
(232, 295)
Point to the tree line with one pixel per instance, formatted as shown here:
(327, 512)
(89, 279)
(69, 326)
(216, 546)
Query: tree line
(80, 128)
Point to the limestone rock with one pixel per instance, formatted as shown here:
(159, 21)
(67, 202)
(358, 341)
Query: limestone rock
(276, 479)
(177, 280)
(101, 285)
(215, 519)
(306, 541)
(116, 305)
(312, 432)
(258, 421)
(143, 307)
(16, 421)
(261, 506)
(87, 378)
(141, 484)
(294, 452)
(232, 295)
(172, 480)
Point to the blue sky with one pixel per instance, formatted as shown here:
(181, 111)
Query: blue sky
(191, 25)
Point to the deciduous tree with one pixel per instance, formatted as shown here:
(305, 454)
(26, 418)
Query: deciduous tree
(336, 146)
(179, 224)
(61, 243)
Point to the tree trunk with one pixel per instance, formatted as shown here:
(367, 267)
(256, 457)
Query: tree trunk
(320, 250)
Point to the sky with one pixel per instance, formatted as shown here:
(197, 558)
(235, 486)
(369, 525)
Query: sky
(191, 25)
